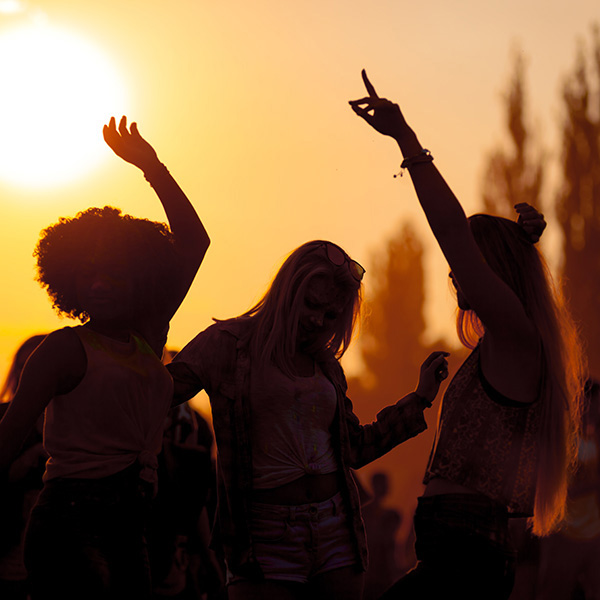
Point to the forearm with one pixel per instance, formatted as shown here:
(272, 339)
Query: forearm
(191, 238)
(442, 209)
(394, 424)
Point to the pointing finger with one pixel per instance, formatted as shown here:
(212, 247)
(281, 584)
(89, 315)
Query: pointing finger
(368, 85)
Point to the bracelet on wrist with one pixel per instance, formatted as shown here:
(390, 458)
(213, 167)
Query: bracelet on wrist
(424, 156)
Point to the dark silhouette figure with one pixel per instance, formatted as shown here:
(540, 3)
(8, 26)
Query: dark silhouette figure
(504, 441)
(382, 525)
(182, 565)
(25, 483)
(102, 384)
(288, 518)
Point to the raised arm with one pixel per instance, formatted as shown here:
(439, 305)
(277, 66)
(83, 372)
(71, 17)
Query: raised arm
(493, 301)
(191, 238)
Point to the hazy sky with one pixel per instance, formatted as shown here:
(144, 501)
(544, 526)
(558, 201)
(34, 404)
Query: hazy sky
(246, 103)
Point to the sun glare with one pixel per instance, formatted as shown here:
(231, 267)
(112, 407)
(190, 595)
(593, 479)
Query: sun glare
(57, 92)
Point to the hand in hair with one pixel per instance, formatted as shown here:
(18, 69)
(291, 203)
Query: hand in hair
(129, 144)
(531, 220)
(383, 115)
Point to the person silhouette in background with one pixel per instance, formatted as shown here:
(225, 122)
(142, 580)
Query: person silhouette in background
(382, 525)
(289, 517)
(182, 565)
(25, 483)
(509, 418)
(102, 384)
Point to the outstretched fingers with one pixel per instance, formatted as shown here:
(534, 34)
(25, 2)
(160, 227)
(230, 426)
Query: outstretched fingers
(133, 128)
(110, 133)
(123, 127)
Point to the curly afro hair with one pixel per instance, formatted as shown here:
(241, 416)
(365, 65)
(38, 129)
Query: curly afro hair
(142, 248)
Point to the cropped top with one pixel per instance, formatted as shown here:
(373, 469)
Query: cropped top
(486, 442)
(114, 417)
(291, 422)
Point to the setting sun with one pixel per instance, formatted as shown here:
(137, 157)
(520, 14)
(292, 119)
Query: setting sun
(57, 92)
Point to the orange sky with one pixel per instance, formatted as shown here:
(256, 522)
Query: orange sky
(246, 103)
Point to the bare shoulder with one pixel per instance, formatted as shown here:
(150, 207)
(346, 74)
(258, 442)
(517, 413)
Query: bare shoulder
(63, 342)
(60, 360)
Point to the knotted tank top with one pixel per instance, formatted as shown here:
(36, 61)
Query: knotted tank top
(114, 417)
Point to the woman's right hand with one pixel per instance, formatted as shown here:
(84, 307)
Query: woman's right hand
(433, 371)
(383, 115)
(129, 144)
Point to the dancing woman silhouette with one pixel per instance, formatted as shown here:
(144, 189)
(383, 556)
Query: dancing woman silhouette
(509, 418)
(102, 384)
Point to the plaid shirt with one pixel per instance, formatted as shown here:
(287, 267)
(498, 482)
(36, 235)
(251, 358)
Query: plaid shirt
(218, 362)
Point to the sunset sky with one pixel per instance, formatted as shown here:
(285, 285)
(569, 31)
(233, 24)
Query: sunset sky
(246, 102)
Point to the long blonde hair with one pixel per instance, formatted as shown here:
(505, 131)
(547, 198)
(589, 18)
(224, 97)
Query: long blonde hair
(509, 252)
(272, 335)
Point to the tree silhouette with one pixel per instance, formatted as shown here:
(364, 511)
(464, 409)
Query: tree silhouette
(578, 201)
(515, 175)
(392, 350)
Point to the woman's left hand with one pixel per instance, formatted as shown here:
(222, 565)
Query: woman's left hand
(383, 115)
(531, 220)
(129, 144)
(433, 371)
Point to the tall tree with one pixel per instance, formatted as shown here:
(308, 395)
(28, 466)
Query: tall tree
(578, 201)
(392, 350)
(514, 175)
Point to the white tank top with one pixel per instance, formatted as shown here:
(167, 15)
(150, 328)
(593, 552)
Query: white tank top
(290, 425)
(114, 417)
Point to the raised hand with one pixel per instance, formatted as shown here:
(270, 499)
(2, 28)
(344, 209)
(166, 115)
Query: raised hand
(531, 220)
(129, 144)
(433, 371)
(383, 115)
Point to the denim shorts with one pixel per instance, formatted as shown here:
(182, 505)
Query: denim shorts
(295, 543)
(463, 549)
(85, 539)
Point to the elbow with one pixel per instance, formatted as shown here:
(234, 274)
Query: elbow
(194, 250)
(205, 243)
(202, 242)
(202, 248)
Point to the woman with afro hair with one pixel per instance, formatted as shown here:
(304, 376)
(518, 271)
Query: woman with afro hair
(102, 384)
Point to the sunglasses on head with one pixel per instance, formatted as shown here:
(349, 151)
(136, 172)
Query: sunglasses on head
(338, 257)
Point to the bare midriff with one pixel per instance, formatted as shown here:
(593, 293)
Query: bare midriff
(307, 489)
